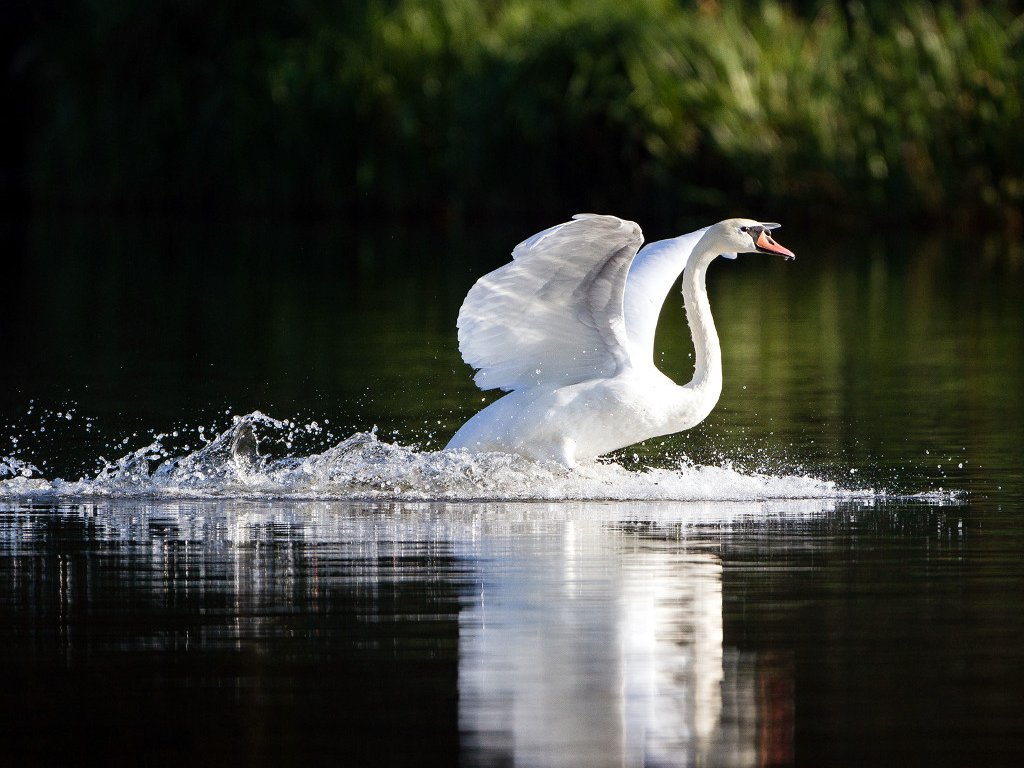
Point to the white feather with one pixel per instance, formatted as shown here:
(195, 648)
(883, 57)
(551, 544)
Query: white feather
(651, 276)
(555, 313)
(569, 326)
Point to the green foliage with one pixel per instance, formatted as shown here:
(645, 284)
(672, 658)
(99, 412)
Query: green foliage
(479, 105)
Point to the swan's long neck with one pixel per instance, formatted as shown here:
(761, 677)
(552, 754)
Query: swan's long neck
(704, 389)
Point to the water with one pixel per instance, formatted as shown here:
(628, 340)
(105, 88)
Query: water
(828, 571)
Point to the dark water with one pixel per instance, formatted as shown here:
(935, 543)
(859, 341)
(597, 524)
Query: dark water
(830, 631)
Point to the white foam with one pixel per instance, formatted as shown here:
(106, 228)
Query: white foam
(365, 467)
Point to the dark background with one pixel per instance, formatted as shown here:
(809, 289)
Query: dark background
(825, 112)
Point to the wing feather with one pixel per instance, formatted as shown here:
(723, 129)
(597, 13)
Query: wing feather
(554, 314)
(651, 276)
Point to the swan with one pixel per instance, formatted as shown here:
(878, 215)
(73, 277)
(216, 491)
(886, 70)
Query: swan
(567, 329)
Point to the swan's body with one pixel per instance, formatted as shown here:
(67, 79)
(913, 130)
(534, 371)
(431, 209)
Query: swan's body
(568, 328)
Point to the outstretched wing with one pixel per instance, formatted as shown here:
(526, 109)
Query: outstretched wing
(651, 276)
(554, 314)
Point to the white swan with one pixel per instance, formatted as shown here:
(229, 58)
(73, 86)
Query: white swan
(568, 329)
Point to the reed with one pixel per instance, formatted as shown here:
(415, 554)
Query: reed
(913, 113)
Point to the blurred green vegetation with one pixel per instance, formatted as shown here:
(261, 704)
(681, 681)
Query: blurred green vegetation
(898, 112)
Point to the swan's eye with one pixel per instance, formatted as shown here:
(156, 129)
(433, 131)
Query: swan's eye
(744, 229)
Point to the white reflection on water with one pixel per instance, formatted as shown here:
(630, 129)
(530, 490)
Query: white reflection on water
(589, 633)
(594, 647)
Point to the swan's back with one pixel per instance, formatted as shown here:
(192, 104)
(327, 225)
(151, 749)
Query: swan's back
(555, 313)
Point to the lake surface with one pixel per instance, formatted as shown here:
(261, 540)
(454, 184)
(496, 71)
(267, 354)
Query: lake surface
(828, 571)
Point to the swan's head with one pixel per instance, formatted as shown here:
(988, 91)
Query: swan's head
(748, 236)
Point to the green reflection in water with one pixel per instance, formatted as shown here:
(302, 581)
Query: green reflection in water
(897, 356)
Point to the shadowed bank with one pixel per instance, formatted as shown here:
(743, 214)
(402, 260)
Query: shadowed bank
(650, 110)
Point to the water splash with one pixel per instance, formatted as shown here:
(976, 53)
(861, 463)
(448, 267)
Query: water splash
(240, 463)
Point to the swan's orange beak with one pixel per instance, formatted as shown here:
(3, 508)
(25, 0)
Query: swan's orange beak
(765, 244)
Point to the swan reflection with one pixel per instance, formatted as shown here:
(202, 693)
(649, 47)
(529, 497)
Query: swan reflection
(587, 634)
(611, 654)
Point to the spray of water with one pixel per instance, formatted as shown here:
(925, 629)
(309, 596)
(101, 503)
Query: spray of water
(254, 459)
